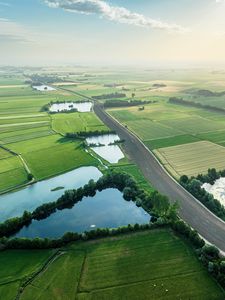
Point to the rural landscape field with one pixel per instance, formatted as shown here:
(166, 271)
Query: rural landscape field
(112, 150)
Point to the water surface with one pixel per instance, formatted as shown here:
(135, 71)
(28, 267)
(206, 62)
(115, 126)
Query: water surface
(14, 204)
(111, 153)
(107, 209)
(43, 88)
(67, 106)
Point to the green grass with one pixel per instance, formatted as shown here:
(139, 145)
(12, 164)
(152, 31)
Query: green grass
(171, 141)
(134, 171)
(75, 122)
(9, 291)
(60, 281)
(12, 173)
(216, 137)
(148, 265)
(52, 155)
(4, 153)
(193, 158)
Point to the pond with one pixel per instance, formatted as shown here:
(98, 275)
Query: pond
(43, 88)
(111, 153)
(107, 209)
(217, 189)
(67, 106)
(31, 197)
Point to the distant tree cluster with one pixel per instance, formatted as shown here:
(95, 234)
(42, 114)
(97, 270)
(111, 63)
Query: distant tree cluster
(125, 103)
(84, 134)
(176, 100)
(194, 186)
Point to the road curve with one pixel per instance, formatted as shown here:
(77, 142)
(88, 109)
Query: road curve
(191, 210)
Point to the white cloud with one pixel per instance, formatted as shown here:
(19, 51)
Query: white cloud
(113, 13)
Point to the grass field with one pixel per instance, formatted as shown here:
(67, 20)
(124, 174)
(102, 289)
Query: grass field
(12, 172)
(16, 266)
(76, 122)
(134, 171)
(51, 155)
(192, 159)
(151, 265)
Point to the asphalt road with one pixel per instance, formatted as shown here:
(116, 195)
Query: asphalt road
(191, 210)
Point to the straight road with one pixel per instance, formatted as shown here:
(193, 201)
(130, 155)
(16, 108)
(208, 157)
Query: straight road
(191, 210)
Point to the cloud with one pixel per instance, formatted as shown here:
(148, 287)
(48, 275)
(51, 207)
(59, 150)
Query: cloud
(113, 13)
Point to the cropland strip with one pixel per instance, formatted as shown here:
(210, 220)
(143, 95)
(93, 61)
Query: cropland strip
(191, 210)
(192, 159)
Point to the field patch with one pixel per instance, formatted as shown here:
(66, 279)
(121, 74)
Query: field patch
(147, 129)
(76, 122)
(12, 173)
(192, 159)
(171, 141)
(148, 265)
(59, 281)
(51, 155)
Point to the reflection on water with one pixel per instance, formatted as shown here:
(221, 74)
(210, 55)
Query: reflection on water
(111, 153)
(107, 209)
(29, 198)
(81, 107)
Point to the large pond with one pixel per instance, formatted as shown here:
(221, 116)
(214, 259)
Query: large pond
(43, 88)
(111, 153)
(217, 189)
(67, 106)
(29, 198)
(107, 209)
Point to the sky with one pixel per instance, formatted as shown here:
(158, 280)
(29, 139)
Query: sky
(115, 32)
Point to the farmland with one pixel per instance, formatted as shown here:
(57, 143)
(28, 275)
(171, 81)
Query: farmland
(154, 265)
(16, 266)
(193, 158)
(77, 122)
(162, 126)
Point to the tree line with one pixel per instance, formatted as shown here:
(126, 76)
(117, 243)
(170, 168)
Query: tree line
(84, 134)
(194, 186)
(176, 100)
(125, 103)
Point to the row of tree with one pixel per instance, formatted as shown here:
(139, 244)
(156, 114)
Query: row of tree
(84, 134)
(194, 186)
(208, 254)
(176, 100)
(124, 103)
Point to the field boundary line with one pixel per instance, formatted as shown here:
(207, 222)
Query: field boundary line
(42, 269)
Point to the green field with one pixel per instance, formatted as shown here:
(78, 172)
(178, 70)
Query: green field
(16, 266)
(150, 265)
(12, 172)
(51, 155)
(76, 122)
(192, 159)
(134, 171)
